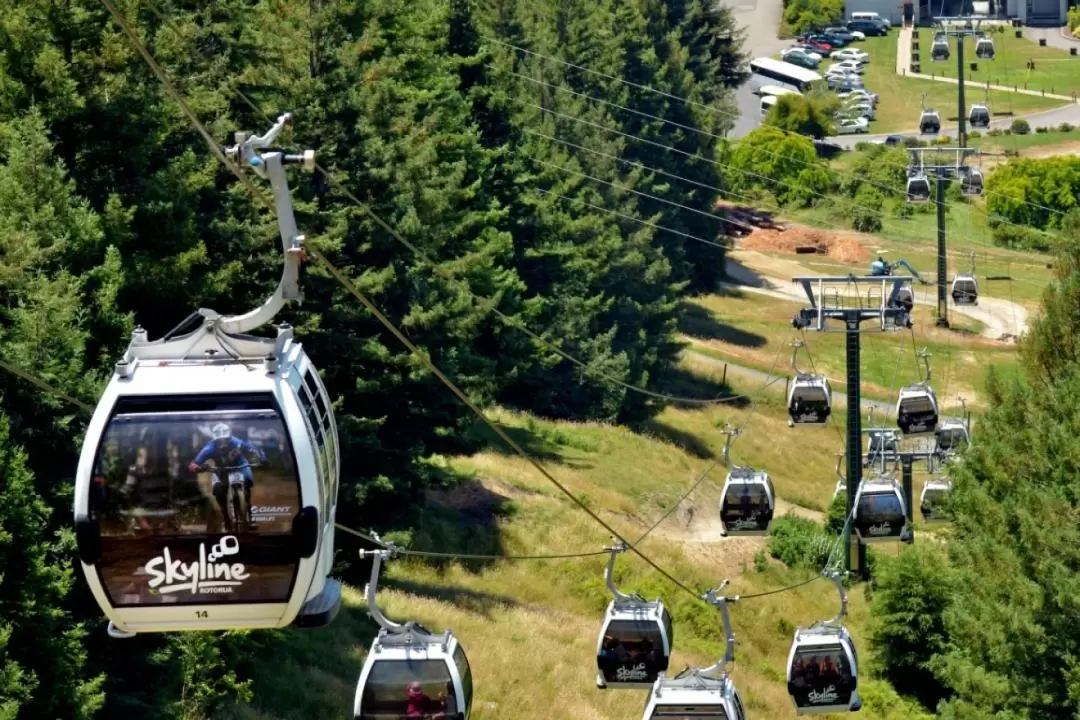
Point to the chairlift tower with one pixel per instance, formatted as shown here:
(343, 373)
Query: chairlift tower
(907, 459)
(942, 172)
(969, 27)
(891, 314)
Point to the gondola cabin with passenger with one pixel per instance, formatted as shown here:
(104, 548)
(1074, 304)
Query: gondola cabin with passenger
(747, 502)
(880, 513)
(809, 400)
(410, 672)
(206, 488)
(917, 410)
(636, 637)
(823, 666)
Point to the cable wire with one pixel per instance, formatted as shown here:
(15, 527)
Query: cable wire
(419, 354)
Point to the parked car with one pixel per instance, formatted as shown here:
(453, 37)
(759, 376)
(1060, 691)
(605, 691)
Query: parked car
(798, 57)
(837, 41)
(848, 66)
(896, 140)
(852, 126)
(817, 43)
(859, 109)
(859, 56)
(809, 50)
(870, 28)
(842, 33)
(858, 95)
(841, 81)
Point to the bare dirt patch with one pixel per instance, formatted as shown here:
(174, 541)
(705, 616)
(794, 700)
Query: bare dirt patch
(1067, 148)
(842, 247)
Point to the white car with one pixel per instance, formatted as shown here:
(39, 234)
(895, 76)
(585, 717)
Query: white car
(852, 126)
(843, 82)
(857, 35)
(859, 109)
(847, 66)
(859, 56)
(800, 49)
(858, 95)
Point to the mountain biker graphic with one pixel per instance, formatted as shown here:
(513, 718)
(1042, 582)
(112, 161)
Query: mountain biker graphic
(228, 451)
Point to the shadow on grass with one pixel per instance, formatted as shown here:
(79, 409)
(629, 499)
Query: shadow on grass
(683, 383)
(474, 601)
(680, 438)
(699, 322)
(461, 519)
(531, 441)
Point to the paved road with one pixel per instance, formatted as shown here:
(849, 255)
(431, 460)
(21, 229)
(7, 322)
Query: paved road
(1055, 37)
(761, 18)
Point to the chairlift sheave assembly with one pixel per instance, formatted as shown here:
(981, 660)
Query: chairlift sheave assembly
(748, 498)
(701, 694)
(917, 405)
(409, 671)
(823, 665)
(636, 638)
(880, 513)
(210, 391)
(809, 398)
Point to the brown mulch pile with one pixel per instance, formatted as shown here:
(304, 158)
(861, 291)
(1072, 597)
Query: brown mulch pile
(844, 248)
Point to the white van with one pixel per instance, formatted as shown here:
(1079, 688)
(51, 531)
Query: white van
(871, 16)
(775, 91)
(767, 103)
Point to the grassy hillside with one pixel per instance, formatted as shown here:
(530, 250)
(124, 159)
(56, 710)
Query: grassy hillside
(530, 628)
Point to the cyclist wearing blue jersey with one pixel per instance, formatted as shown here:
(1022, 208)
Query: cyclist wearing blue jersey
(227, 451)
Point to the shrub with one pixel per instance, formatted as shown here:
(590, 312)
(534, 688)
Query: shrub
(1041, 130)
(1018, 237)
(994, 132)
(1020, 126)
(974, 135)
(866, 210)
(798, 542)
(1066, 127)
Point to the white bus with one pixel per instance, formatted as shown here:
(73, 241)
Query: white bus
(785, 73)
(775, 91)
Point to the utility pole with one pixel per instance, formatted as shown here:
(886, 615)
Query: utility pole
(890, 314)
(943, 172)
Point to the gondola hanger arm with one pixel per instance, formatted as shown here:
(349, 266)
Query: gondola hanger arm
(609, 573)
(720, 602)
(377, 556)
(271, 166)
(731, 433)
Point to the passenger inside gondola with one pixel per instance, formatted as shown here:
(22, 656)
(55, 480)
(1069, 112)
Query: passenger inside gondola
(630, 652)
(404, 690)
(815, 669)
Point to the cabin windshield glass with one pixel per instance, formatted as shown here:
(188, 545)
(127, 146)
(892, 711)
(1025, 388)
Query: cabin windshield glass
(880, 507)
(821, 676)
(632, 651)
(195, 497)
(398, 689)
(917, 403)
(690, 713)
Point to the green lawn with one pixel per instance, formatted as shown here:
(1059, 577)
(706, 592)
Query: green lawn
(1055, 70)
(900, 98)
(1042, 141)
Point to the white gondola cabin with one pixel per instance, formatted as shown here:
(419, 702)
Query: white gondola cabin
(636, 639)
(950, 437)
(747, 502)
(979, 115)
(410, 672)
(965, 289)
(150, 518)
(971, 181)
(823, 666)
(917, 410)
(939, 49)
(934, 492)
(706, 694)
(929, 121)
(809, 399)
(918, 187)
(880, 513)
(984, 48)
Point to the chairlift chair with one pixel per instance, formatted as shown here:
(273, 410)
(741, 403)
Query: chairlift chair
(880, 513)
(934, 491)
(636, 639)
(701, 694)
(979, 115)
(984, 48)
(408, 667)
(951, 436)
(823, 666)
(809, 398)
(748, 499)
(209, 388)
(929, 122)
